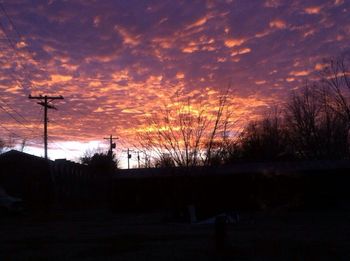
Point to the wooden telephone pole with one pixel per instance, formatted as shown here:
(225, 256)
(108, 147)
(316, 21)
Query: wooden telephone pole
(111, 144)
(44, 101)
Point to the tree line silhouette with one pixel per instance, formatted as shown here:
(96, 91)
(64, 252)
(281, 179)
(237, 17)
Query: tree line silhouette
(313, 124)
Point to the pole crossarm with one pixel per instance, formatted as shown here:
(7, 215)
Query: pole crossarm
(42, 97)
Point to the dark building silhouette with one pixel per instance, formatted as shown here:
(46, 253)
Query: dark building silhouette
(27, 177)
(241, 187)
(45, 184)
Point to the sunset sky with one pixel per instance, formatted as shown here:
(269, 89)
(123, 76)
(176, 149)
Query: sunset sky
(117, 62)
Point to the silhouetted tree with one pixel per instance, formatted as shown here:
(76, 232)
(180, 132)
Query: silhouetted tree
(314, 125)
(187, 135)
(316, 129)
(164, 161)
(265, 139)
(100, 163)
(231, 151)
(336, 78)
(302, 115)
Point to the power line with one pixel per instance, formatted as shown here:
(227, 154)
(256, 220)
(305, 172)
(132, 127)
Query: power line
(19, 35)
(18, 121)
(2, 7)
(22, 124)
(16, 53)
(8, 38)
(11, 132)
(17, 135)
(13, 46)
(8, 105)
(14, 77)
(60, 147)
(26, 137)
(13, 117)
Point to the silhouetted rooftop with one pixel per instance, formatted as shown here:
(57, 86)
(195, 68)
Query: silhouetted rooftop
(19, 154)
(276, 168)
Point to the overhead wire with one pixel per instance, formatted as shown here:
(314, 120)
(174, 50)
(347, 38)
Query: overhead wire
(19, 122)
(2, 7)
(15, 111)
(18, 81)
(19, 59)
(12, 45)
(9, 131)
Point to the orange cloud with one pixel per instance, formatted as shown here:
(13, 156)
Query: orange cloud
(241, 51)
(95, 84)
(180, 75)
(262, 34)
(14, 89)
(57, 78)
(197, 23)
(21, 44)
(319, 66)
(300, 73)
(278, 23)
(232, 42)
(260, 82)
(309, 32)
(221, 59)
(131, 111)
(128, 37)
(163, 42)
(313, 10)
(190, 49)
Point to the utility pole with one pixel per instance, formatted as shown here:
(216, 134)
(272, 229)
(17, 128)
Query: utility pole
(111, 144)
(147, 162)
(138, 159)
(128, 155)
(44, 101)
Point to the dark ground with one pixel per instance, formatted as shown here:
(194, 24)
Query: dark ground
(101, 235)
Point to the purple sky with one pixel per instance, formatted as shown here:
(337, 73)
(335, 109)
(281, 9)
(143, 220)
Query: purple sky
(116, 62)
